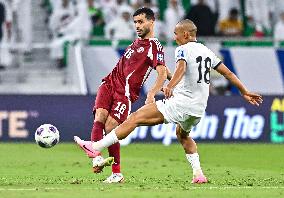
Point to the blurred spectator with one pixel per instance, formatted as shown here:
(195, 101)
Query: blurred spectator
(159, 27)
(144, 3)
(61, 16)
(203, 17)
(5, 20)
(23, 12)
(109, 9)
(122, 27)
(2, 18)
(173, 14)
(253, 28)
(276, 8)
(135, 4)
(79, 28)
(258, 13)
(97, 18)
(221, 8)
(8, 17)
(212, 4)
(279, 28)
(120, 4)
(55, 4)
(2, 21)
(150, 4)
(47, 8)
(232, 26)
(5, 33)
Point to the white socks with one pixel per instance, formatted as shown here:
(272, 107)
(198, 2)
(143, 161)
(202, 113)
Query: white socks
(193, 159)
(107, 141)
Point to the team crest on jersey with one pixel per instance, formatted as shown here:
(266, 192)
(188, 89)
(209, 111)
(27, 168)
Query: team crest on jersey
(160, 57)
(140, 49)
(180, 54)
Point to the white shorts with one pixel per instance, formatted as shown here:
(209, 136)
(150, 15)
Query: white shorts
(172, 112)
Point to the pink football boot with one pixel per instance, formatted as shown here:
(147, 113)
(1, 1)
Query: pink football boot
(201, 179)
(87, 147)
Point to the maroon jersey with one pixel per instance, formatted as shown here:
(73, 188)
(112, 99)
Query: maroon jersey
(135, 65)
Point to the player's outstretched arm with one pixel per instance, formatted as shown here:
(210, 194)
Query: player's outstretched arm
(252, 98)
(162, 75)
(178, 74)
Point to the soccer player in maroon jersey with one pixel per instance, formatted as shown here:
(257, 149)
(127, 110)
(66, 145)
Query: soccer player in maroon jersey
(121, 87)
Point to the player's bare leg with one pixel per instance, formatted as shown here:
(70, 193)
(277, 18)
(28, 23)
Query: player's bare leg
(192, 156)
(147, 115)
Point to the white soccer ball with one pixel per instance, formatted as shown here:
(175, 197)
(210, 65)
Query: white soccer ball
(98, 161)
(47, 136)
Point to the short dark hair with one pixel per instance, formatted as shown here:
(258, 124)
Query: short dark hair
(149, 14)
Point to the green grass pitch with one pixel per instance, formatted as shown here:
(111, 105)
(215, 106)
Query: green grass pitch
(151, 170)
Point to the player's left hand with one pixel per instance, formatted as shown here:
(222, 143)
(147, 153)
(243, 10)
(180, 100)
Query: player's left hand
(253, 98)
(168, 92)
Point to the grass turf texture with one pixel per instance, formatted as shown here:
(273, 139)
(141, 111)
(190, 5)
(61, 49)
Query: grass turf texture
(151, 170)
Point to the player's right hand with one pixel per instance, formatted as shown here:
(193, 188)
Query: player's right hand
(168, 92)
(253, 98)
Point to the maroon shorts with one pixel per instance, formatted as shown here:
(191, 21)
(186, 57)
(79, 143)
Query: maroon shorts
(118, 105)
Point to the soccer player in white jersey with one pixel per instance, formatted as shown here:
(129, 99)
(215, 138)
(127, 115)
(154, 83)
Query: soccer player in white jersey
(186, 98)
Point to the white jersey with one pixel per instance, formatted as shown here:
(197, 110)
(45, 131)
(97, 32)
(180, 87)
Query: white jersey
(193, 89)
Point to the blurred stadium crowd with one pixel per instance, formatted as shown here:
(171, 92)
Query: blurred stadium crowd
(70, 20)
(112, 18)
(73, 20)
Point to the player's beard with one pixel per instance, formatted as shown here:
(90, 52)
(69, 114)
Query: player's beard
(144, 33)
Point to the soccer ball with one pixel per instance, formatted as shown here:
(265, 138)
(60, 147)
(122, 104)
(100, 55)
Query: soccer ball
(98, 161)
(47, 136)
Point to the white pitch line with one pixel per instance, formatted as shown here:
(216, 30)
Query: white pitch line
(189, 188)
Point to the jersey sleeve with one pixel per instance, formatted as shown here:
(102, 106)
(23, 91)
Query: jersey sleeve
(180, 54)
(215, 61)
(158, 54)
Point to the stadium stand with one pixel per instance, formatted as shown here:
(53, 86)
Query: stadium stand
(27, 63)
